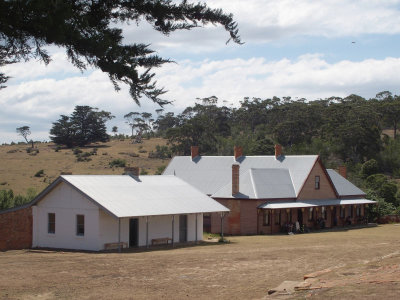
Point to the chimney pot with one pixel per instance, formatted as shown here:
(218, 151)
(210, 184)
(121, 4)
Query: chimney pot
(237, 151)
(194, 151)
(235, 179)
(278, 150)
(134, 171)
(343, 171)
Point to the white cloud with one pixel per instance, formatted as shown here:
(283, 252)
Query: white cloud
(307, 17)
(310, 76)
(266, 21)
(39, 102)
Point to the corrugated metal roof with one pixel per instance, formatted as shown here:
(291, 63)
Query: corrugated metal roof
(126, 196)
(313, 203)
(343, 186)
(261, 184)
(210, 173)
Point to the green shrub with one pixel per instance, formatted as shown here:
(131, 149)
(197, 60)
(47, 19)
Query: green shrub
(118, 162)
(369, 168)
(160, 170)
(32, 151)
(143, 172)
(161, 152)
(85, 156)
(77, 151)
(39, 173)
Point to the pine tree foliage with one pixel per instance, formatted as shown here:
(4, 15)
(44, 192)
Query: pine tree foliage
(91, 34)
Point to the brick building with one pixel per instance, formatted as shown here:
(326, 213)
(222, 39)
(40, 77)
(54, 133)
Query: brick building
(270, 194)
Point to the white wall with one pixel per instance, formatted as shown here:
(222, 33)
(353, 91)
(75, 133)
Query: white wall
(100, 227)
(66, 203)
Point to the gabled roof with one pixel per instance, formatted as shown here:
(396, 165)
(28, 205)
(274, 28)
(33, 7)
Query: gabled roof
(211, 173)
(343, 186)
(128, 196)
(261, 177)
(261, 184)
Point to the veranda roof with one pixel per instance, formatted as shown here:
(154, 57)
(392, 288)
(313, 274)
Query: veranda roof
(314, 203)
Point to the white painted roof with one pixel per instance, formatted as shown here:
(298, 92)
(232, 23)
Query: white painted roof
(126, 196)
(211, 173)
(261, 184)
(313, 203)
(343, 186)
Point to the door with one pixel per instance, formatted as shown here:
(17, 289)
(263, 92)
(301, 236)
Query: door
(207, 223)
(182, 228)
(300, 216)
(133, 233)
(334, 217)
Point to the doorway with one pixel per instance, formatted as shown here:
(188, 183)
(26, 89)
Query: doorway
(300, 216)
(334, 217)
(182, 228)
(133, 233)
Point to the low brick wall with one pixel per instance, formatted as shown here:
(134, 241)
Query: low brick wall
(389, 219)
(16, 229)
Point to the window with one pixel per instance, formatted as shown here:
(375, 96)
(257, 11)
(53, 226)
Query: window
(350, 214)
(80, 225)
(358, 210)
(278, 217)
(266, 217)
(317, 181)
(323, 212)
(342, 212)
(51, 223)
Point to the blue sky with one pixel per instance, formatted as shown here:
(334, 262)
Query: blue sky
(292, 48)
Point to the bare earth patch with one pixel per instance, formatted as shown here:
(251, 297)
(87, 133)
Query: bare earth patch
(363, 263)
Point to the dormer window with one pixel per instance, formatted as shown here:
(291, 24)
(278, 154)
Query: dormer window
(317, 182)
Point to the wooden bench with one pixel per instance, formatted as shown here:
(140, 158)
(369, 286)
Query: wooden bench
(159, 241)
(110, 246)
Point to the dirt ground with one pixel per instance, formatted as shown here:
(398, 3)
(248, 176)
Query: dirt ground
(17, 167)
(364, 264)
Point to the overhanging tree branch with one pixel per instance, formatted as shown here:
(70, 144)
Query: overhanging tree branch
(84, 29)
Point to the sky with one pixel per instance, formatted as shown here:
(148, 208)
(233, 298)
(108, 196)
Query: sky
(298, 48)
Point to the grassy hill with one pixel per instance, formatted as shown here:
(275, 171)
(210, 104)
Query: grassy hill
(18, 167)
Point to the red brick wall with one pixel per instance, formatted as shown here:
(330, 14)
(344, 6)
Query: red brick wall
(16, 229)
(248, 216)
(231, 220)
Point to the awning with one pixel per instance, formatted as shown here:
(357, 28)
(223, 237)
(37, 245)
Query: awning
(314, 203)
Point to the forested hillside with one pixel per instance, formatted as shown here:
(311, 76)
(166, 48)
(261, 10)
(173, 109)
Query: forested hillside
(360, 133)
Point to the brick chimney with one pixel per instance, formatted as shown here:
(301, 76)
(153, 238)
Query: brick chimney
(343, 171)
(134, 171)
(278, 150)
(195, 151)
(237, 151)
(235, 179)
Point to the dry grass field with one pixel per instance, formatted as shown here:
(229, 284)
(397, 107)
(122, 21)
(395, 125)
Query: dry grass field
(17, 167)
(363, 263)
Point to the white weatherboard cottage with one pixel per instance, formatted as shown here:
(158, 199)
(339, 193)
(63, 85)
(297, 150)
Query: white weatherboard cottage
(92, 212)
